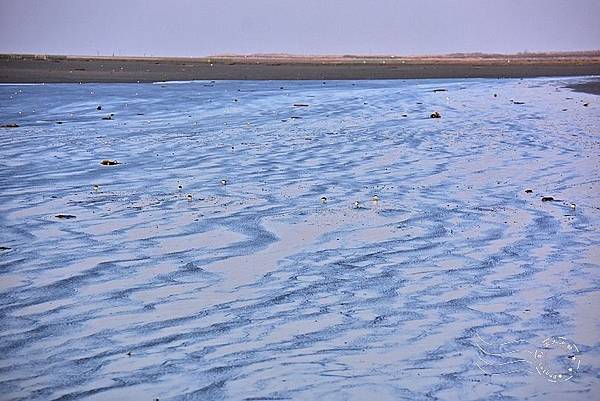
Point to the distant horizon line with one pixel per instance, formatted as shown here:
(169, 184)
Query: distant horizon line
(522, 54)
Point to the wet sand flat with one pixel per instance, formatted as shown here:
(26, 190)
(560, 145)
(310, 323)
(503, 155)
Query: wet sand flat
(24, 68)
(206, 264)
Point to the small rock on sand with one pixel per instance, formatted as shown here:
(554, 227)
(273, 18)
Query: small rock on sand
(547, 198)
(65, 216)
(528, 191)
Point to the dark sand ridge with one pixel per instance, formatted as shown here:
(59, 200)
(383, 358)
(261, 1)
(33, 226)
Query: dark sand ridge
(51, 69)
(592, 87)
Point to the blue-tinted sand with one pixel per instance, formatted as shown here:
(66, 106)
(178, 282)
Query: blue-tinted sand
(255, 288)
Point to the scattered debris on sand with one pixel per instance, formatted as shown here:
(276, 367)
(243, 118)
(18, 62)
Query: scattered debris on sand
(435, 114)
(107, 162)
(65, 216)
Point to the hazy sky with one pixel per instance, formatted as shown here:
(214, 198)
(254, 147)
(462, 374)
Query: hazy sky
(207, 27)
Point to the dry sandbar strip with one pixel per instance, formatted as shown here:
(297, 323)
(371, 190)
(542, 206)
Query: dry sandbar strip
(65, 69)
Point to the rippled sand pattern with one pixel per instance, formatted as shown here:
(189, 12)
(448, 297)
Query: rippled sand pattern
(257, 289)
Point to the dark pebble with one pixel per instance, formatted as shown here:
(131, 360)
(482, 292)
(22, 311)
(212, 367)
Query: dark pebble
(64, 216)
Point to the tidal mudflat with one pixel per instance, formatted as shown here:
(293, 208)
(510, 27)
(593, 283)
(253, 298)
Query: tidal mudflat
(299, 240)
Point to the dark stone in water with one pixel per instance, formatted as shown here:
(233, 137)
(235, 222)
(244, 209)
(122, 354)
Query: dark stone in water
(65, 216)
(547, 198)
(99, 108)
(378, 319)
(109, 162)
(435, 115)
